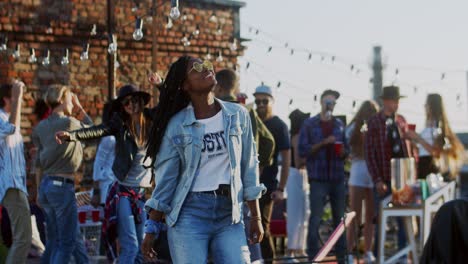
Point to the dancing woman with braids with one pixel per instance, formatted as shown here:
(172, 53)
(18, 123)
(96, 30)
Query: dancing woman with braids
(205, 160)
(124, 214)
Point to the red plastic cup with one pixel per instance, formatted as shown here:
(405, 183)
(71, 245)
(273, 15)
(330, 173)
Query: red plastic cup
(412, 127)
(82, 217)
(95, 215)
(338, 148)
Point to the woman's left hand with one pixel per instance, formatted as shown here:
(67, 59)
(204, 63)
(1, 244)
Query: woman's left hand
(256, 231)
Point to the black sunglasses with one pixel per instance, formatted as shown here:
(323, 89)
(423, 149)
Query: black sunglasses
(262, 101)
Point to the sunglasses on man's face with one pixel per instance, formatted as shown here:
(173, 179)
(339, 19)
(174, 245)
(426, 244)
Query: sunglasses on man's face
(262, 101)
(128, 100)
(198, 67)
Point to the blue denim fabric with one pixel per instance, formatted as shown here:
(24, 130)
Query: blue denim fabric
(318, 163)
(204, 228)
(401, 235)
(63, 234)
(318, 193)
(130, 234)
(177, 163)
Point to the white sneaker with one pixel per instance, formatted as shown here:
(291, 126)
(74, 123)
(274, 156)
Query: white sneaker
(350, 259)
(369, 257)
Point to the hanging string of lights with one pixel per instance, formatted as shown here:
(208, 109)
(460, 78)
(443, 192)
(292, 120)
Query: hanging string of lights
(138, 34)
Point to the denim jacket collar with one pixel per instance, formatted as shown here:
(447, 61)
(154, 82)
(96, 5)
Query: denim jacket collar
(190, 118)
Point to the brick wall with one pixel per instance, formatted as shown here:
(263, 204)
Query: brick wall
(26, 22)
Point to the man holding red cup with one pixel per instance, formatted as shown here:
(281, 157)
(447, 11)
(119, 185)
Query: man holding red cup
(323, 145)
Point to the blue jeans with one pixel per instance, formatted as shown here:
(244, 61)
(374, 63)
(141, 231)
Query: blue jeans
(205, 226)
(130, 234)
(318, 193)
(63, 234)
(401, 236)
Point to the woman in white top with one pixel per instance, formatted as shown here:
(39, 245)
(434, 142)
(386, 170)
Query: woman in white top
(440, 150)
(360, 182)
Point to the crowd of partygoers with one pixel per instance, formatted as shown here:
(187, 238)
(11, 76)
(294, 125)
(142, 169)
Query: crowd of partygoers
(196, 178)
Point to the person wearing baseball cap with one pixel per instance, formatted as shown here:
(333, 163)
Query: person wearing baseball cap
(264, 101)
(323, 145)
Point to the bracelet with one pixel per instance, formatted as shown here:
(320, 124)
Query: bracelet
(255, 218)
(154, 227)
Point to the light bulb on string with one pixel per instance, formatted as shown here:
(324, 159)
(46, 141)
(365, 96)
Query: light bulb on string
(112, 49)
(310, 56)
(17, 53)
(93, 30)
(3, 46)
(442, 76)
(286, 45)
(46, 59)
(32, 56)
(315, 98)
(247, 66)
(278, 85)
(269, 49)
(197, 31)
(333, 59)
(351, 67)
(175, 13)
(184, 39)
(220, 57)
(257, 31)
(292, 52)
(208, 55)
(213, 18)
(49, 29)
(184, 16)
(65, 59)
(169, 24)
(354, 106)
(233, 45)
(85, 54)
(219, 31)
(138, 33)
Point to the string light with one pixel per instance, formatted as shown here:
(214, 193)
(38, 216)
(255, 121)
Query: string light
(138, 33)
(85, 54)
(351, 67)
(65, 59)
(93, 30)
(442, 77)
(310, 56)
(269, 49)
(32, 56)
(17, 53)
(49, 29)
(112, 49)
(175, 13)
(278, 85)
(197, 31)
(247, 66)
(208, 55)
(233, 45)
(219, 31)
(220, 57)
(3, 46)
(213, 18)
(184, 16)
(169, 24)
(333, 59)
(46, 59)
(292, 52)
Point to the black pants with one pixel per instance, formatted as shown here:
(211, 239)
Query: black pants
(267, 244)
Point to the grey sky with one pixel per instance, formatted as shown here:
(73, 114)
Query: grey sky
(422, 39)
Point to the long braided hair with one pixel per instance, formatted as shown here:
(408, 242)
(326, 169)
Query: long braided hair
(172, 99)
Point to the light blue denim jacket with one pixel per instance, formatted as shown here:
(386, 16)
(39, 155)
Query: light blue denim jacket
(177, 163)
